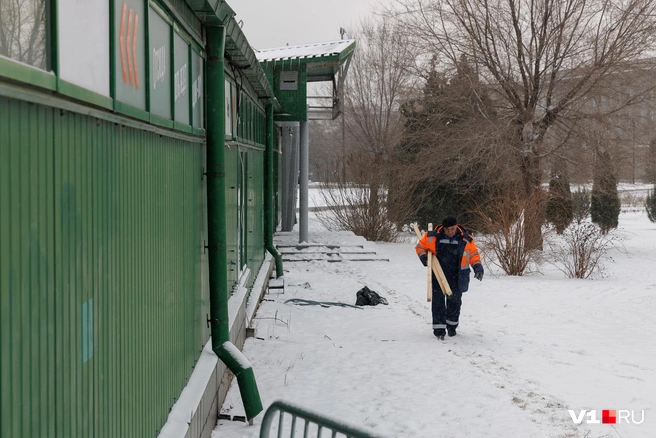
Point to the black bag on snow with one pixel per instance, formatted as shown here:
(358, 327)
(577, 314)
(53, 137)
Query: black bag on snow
(367, 297)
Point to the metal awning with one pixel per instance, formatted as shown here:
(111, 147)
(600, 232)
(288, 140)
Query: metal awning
(324, 62)
(337, 48)
(237, 48)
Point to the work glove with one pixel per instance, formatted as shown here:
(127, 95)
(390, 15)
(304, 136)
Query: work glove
(424, 259)
(479, 275)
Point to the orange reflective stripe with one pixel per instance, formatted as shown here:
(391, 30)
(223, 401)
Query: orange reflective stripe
(425, 244)
(470, 256)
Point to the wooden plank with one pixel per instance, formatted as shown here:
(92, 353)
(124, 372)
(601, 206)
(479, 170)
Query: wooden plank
(429, 265)
(437, 269)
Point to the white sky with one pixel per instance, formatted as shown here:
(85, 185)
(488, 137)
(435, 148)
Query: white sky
(275, 23)
(528, 348)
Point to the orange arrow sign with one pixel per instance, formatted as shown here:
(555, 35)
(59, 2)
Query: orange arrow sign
(129, 48)
(127, 40)
(121, 42)
(134, 51)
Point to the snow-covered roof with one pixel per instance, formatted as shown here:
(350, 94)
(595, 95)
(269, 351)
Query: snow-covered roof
(305, 51)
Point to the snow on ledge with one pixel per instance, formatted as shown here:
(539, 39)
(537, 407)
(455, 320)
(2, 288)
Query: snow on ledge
(182, 412)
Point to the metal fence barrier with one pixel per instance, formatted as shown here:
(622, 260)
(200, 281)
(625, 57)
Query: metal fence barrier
(291, 418)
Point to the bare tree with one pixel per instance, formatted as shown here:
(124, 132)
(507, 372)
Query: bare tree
(377, 81)
(505, 244)
(351, 205)
(545, 58)
(325, 150)
(23, 31)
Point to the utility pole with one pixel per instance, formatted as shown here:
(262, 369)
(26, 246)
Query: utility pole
(633, 151)
(342, 32)
(343, 142)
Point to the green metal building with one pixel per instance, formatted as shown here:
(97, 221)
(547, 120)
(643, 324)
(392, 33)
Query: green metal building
(139, 189)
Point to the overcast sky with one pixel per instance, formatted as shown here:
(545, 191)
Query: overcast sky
(275, 23)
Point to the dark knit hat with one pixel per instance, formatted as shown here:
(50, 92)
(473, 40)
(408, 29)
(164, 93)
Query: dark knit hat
(449, 221)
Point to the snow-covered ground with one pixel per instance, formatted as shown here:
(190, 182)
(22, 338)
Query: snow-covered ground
(528, 349)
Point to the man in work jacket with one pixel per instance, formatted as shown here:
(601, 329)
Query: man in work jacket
(456, 251)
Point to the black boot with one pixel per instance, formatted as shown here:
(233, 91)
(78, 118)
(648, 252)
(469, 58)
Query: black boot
(452, 332)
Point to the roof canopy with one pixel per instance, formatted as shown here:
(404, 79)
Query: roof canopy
(319, 62)
(319, 69)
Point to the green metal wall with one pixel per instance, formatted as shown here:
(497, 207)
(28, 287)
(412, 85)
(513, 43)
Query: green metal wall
(244, 211)
(232, 214)
(277, 179)
(255, 210)
(294, 102)
(251, 126)
(245, 191)
(27, 272)
(100, 274)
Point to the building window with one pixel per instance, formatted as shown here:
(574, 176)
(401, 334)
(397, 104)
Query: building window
(23, 31)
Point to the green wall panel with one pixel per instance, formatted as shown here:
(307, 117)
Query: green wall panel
(100, 274)
(293, 102)
(244, 211)
(232, 214)
(27, 277)
(255, 210)
(251, 122)
(161, 75)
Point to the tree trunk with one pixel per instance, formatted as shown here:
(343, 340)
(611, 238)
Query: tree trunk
(530, 166)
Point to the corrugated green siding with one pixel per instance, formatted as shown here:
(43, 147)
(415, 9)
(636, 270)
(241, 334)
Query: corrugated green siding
(100, 281)
(27, 271)
(255, 210)
(245, 205)
(294, 102)
(251, 127)
(232, 214)
(204, 304)
(277, 180)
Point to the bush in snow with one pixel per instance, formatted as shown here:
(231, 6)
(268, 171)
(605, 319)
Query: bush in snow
(650, 204)
(581, 204)
(507, 220)
(605, 202)
(560, 205)
(650, 164)
(582, 248)
(361, 203)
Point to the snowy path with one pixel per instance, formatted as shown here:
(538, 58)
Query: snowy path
(528, 349)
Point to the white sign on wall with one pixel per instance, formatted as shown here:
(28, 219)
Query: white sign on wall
(181, 79)
(197, 100)
(228, 109)
(84, 43)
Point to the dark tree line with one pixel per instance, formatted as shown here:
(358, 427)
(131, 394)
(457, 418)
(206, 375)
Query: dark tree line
(452, 148)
